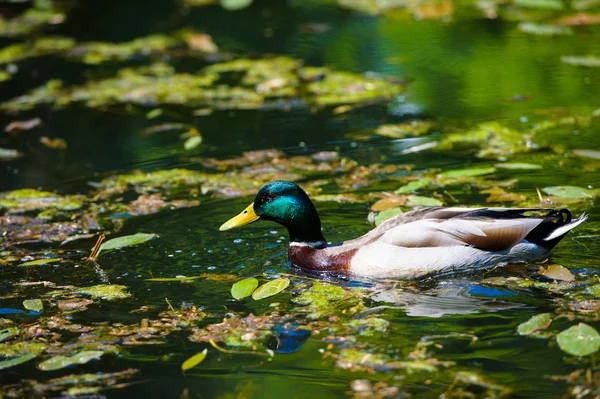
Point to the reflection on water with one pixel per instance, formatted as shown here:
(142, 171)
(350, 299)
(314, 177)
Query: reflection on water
(451, 297)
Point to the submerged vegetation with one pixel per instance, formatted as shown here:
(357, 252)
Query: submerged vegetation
(124, 148)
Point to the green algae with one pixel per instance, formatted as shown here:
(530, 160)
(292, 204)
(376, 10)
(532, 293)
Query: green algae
(98, 52)
(37, 48)
(26, 200)
(369, 327)
(264, 79)
(492, 138)
(31, 20)
(321, 299)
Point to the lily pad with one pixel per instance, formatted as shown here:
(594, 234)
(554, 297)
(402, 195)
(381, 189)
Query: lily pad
(579, 340)
(415, 200)
(60, 362)
(33, 304)
(570, 192)
(244, 288)
(127, 241)
(271, 288)
(536, 323)
(234, 5)
(386, 214)
(194, 360)
(105, 291)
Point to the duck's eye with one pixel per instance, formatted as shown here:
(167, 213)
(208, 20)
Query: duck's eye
(245, 211)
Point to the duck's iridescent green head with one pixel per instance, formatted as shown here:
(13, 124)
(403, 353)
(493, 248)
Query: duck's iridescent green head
(286, 203)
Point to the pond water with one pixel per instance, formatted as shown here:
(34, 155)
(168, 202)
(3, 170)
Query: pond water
(409, 94)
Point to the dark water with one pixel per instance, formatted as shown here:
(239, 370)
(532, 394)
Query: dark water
(460, 72)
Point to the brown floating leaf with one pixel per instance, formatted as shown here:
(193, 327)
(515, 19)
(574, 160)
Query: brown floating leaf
(56, 143)
(22, 125)
(557, 272)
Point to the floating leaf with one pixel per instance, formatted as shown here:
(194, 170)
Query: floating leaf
(194, 360)
(40, 262)
(584, 61)
(540, 4)
(109, 292)
(16, 361)
(386, 214)
(244, 288)
(413, 186)
(536, 323)
(416, 200)
(579, 340)
(471, 172)
(271, 288)
(192, 142)
(558, 272)
(518, 165)
(155, 113)
(587, 153)
(172, 279)
(233, 5)
(570, 192)
(544, 30)
(127, 241)
(59, 362)
(8, 333)
(33, 304)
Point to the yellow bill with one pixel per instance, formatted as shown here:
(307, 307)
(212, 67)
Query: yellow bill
(247, 216)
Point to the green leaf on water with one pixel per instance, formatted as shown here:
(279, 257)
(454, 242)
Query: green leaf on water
(156, 112)
(40, 262)
(194, 360)
(33, 304)
(59, 362)
(413, 186)
(416, 200)
(173, 279)
(16, 361)
(386, 214)
(540, 4)
(233, 5)
(471, 172)
(588, 61)
(192, 142)
(109, 292)
(536, 323)
(544, 29)
(244, 288)
(569, 192)
(518, 165)
(579, 340)
(271, 288)
(127, 241)
(8, 333)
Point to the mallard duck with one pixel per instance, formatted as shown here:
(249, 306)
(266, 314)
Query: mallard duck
(420, 243)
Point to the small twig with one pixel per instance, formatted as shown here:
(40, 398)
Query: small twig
(96, 249)
(171, 306)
